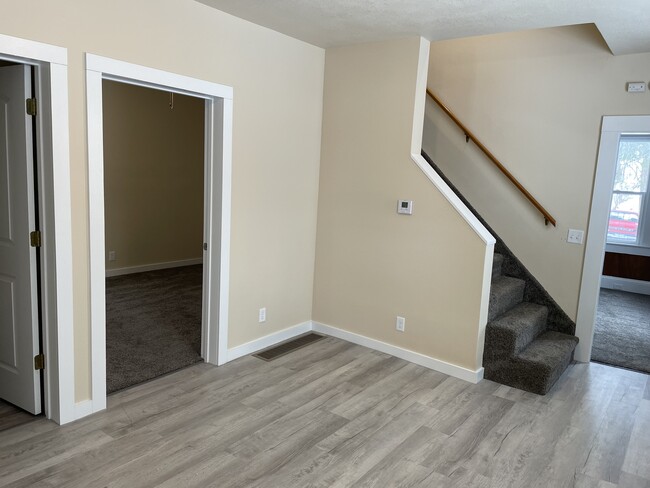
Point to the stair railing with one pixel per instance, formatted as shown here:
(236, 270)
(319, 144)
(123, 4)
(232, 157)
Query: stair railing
(470, 136)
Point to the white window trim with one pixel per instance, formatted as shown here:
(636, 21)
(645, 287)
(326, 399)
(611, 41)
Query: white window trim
(643, 230)
(627, 249)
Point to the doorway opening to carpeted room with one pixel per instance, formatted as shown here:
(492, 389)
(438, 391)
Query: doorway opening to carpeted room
(153, 207)
(214, 246)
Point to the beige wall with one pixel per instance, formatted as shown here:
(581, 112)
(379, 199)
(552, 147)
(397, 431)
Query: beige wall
(277, 84)
(536, 99)
(371, 263)
(153, 175)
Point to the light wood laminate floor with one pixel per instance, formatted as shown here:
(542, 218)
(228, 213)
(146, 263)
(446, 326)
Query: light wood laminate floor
(11, 416)
(335, 414)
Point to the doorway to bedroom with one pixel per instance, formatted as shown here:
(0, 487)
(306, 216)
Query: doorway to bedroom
(154, 223)
(622, 326)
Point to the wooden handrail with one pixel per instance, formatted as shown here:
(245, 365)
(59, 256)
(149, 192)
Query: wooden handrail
(469, 135)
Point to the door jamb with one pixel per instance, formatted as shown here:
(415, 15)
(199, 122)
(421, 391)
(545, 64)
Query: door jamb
(55, 209)
(612, 128)
(218, 170)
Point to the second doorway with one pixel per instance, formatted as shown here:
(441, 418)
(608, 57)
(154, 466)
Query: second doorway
(154, 224)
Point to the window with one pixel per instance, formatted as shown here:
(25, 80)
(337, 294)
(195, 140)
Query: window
(628, 211)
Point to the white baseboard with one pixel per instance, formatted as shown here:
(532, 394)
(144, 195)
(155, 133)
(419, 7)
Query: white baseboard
(625, 284)
(152, 267)
(268, 341)
(411, 356)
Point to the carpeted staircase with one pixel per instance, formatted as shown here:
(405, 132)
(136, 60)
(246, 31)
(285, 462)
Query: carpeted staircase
(529, 339)
(520, 351)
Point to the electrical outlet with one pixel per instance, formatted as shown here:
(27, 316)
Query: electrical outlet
(575, 236)
(262, 316)
(635, 86)
(400, 323)
(112, 256)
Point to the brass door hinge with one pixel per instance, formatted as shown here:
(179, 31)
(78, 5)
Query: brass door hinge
(35, 238)
(32, 106)
(39, 362)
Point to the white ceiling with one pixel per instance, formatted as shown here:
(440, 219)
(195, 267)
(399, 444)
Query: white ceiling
(624, 24)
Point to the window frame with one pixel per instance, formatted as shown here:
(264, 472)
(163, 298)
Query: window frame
(642, 241)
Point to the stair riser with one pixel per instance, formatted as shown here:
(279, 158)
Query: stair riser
(526, 376)
(502, 342)
(503, 300)
(538, 367)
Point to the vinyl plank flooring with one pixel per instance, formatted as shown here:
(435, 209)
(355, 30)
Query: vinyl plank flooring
(30, 462)
(342, 375)
(637, 458)
(271, 452)
(398, 474)
(178, 407)
(339, 365)
(84, 469)
(631, 481)
(25, 432)
(396, 469)
(377, 391)
(334, 414)
(530, 400)
(308, 356)
(447, 391)
(303, 470)
(497, 456)
(606, 456)
(464, 440)
(11, 416)
(348, 462)
(467, 479)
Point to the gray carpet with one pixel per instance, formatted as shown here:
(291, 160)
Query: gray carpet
(622, 331)
(153, 324)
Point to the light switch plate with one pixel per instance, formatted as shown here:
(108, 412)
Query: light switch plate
(575, 236)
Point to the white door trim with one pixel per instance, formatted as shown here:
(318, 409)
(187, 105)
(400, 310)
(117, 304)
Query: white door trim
(218, 154)
(612, 128)
(56, 226)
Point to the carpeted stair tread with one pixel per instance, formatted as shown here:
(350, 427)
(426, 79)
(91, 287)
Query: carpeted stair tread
(511, 333)
(505, 293)
(538, 367)
(548, 348)
(497, 264)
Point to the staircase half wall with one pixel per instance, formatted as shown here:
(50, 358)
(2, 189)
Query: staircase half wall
(372, 264)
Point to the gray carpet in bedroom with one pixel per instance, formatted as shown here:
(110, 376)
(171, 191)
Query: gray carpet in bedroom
(153, 324)
(622, 332)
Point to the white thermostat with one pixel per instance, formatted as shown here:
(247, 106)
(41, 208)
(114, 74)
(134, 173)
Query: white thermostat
(405, 207)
